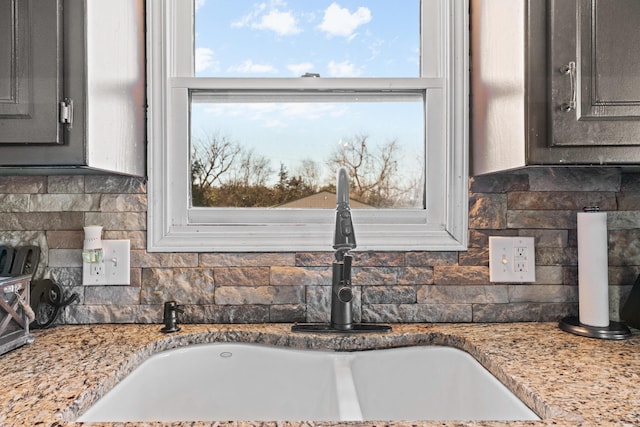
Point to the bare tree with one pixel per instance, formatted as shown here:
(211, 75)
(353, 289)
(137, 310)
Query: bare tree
(251, 169)
(309, 172)
(216, 160)
(211, 158)
(223, 173)
(372, 170)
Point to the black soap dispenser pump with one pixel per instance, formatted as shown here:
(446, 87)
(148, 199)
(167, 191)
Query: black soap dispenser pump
(171, 310)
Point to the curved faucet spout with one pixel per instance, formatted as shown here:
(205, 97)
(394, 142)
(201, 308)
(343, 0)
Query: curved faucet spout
(344, 237)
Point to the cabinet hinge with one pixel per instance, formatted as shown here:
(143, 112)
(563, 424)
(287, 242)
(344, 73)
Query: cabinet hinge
(66, 112)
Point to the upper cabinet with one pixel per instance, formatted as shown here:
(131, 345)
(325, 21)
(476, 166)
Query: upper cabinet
(595, 72)
(30, 84)
(555, 82)
(72, 86)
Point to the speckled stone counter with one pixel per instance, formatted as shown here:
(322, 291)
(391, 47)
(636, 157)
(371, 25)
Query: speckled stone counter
(565, 379)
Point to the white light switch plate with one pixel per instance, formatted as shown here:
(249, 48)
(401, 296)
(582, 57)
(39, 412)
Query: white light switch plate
(512, 259)
(117, 262)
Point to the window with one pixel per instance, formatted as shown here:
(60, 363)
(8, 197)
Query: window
(221, 72)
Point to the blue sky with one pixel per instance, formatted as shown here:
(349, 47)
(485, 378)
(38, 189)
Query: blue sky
(345, 38)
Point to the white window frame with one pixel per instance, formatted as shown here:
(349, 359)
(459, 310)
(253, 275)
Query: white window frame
(175, 226)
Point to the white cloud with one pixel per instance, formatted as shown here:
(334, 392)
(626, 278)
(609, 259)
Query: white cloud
(343, 69)
(339, 21)
(375, 47)
(300, 69)
(311, 111)
(249, 67)
(204, 59)
(282, 23)
(249, 17)
(270, 18)
(279, 115)
(199, 3)
(275, 124)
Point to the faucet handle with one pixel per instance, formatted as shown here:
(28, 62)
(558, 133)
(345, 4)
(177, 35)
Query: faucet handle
(345, 294)
(346, 269)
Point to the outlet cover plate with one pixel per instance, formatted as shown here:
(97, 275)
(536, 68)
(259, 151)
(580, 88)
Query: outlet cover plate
(512, 259)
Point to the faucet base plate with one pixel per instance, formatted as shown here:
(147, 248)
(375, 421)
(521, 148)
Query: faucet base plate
(356, 328)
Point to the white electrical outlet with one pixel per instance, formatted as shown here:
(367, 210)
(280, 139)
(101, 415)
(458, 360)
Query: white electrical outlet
(512, 259)
(114, 268)
(93, 273)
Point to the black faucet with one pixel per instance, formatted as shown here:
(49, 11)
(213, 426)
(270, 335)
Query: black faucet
(344, 240)
(170, 317)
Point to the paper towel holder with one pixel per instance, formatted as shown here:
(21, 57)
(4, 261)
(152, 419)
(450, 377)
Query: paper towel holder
(615, 330)
(572, 324)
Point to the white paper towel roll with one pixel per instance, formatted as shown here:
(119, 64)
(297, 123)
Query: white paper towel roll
(593, 280)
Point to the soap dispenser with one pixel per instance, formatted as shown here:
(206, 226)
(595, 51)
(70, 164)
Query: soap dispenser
(170, 317)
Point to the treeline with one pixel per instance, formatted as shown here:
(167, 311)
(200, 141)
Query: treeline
(239, 194)
(224, 174)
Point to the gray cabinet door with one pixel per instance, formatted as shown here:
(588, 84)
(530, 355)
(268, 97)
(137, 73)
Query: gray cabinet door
(595, 73)
(30, 72)
(578, 87)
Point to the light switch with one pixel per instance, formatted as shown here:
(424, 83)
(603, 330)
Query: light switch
(117, 262)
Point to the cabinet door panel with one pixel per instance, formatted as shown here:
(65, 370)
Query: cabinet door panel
(610, 50)
(595, 73)
(14, 78)
(30, 72)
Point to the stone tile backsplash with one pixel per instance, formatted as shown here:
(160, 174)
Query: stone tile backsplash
(50, 211)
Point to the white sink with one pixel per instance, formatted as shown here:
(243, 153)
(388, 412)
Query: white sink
(247, 382)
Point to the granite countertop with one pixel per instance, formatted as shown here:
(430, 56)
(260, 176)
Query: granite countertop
(565, 379)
